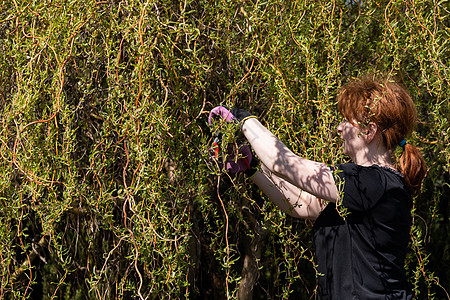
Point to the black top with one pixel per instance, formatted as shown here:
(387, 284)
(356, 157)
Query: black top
(362, 257)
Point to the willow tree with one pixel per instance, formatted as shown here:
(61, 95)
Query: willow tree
(106, 191)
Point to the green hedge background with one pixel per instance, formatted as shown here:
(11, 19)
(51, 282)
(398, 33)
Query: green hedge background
(105, 190)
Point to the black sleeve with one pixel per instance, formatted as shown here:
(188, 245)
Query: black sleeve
(361, 187)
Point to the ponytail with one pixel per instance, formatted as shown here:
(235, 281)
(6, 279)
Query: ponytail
(413, 167)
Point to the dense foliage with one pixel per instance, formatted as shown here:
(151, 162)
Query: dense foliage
(105, 190)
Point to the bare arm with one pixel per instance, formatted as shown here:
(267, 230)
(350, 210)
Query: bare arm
(289, 198)
(310, 176)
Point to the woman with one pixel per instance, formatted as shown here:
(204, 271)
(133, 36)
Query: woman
(362, 255)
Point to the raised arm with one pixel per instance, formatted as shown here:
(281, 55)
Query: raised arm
(310, 176)
(289, 198)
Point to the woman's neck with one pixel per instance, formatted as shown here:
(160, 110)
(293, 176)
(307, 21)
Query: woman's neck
(374, 155)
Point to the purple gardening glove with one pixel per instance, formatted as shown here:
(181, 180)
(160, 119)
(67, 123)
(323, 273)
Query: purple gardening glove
(242, 164)
(230, 164)
(220, 111)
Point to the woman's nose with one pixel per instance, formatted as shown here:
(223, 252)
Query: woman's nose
(339, 127)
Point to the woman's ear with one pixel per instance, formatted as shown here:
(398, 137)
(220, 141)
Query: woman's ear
(372, 130)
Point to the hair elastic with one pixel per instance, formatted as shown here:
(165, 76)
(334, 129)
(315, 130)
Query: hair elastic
(403, 143)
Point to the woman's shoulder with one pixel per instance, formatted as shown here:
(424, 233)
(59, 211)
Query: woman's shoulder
(364, 186)
(374, 176)
(353, 169)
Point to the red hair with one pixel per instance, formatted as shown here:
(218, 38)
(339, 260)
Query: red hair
(389, 105)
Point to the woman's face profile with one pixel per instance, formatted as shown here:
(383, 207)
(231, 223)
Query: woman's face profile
(352, 137)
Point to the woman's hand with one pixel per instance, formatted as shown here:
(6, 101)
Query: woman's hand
(221, 112)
